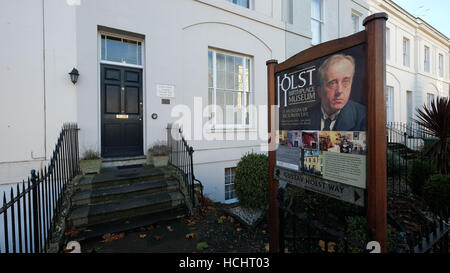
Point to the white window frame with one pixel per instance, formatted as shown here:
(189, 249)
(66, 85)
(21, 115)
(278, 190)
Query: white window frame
(245, 107)
(426, 59)
(388, 43)
(390, 115)
(228, 173)
(250, 4)
(288, 11)
(440, 65)
(406, 52)
(321, 22)
(430, 98)
(119, 36)
(359, 25)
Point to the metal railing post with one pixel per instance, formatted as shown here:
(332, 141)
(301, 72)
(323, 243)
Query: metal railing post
(35, 194)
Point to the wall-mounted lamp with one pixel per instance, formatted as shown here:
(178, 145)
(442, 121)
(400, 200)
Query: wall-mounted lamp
(74, 75)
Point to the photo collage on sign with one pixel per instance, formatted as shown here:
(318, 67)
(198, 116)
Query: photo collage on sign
(322, 109)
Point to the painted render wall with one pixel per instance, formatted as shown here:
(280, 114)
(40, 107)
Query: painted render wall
(176, 53)
(413, 78)
(36, 95)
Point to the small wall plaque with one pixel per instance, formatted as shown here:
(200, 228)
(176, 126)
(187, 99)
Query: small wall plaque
(165, 91)
(165, 101)
(121, 116)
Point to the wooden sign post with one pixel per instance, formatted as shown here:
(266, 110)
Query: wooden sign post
(376, 121)
(300, 87)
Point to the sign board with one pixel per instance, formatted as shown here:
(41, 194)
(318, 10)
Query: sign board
(165, 91)
(331, 135)
(322, 117)
(338, 191)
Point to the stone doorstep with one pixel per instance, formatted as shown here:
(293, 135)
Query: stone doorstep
(113, 178)
(129, 224)
(96, 196)
(101, 213)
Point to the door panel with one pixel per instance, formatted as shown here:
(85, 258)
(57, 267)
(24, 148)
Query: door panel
(122, 122)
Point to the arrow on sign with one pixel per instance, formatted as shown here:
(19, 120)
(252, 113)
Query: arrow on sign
(356, 195)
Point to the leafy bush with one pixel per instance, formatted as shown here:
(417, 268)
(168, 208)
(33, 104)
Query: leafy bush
(251, 181)
(90, 154)
(420, 172)
(436, 192)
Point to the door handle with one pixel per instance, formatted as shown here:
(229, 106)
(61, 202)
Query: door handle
(141, 110)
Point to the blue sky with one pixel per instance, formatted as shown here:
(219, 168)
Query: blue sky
(434, 12)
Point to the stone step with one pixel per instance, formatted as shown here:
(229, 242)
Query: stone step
(122, 209)
(113, 177)
(121, 192)
(131, 223)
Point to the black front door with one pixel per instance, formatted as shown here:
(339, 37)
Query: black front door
(121, 95)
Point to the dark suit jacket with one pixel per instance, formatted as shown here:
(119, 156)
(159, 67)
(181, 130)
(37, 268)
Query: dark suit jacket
(351, 118)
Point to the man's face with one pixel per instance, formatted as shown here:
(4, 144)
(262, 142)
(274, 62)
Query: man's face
(335, 91)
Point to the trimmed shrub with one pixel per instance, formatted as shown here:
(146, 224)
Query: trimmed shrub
(251, 182)
(420, 172)
(436, 192)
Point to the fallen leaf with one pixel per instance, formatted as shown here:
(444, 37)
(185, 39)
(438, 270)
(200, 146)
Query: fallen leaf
(235, 241)
(107, 238)
(238, 229)
(151, 227)
(169, 228)
(266, 247)
(231, 219)
(230, 246)
(158, 237)
(190, 236)
(143, 236)
(127, 222)
(331, 246)
(223, 217)
(220, 221)
(263, 232)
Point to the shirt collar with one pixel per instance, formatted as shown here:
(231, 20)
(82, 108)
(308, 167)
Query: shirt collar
(331, 117)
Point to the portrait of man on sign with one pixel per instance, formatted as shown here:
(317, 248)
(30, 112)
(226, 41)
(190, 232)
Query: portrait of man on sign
(336, 111)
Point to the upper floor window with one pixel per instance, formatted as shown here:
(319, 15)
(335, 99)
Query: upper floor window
(316, 21)
(288, 11)
(441, 65)
(426, 65)
(356, 18)
(430, 98)
(388, 43)
(121, 50)
(244, 3)
(230, 90)
(406, 51)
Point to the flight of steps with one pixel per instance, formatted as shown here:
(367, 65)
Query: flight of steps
(124, 197)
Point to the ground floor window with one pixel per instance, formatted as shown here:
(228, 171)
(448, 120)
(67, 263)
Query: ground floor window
(229, 183)
(229, 89)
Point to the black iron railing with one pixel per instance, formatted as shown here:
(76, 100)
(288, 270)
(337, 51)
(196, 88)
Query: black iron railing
(301, 232)
(29, 214)
(181, 157)
(406, 143)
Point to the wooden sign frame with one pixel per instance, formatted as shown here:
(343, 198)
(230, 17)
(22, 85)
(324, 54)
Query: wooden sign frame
(374, 36)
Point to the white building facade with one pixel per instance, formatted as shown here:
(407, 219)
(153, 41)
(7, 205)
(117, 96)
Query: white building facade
(172, 58)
